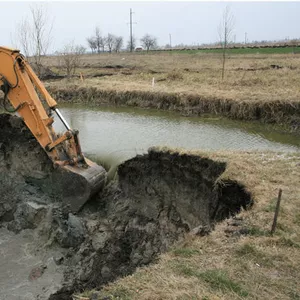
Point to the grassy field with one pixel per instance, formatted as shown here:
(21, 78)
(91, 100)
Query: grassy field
(240, 259)
(270, 50)
(253, 77)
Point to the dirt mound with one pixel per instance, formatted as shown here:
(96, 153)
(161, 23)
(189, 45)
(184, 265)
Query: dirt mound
(44, 72)
(21, 159)
(158, 198)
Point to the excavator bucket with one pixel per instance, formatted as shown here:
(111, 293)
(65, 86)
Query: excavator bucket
(75, 179)
(75, 185)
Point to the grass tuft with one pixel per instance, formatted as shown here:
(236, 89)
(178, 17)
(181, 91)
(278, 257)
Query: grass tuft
(183, 269)
(289, 242)
(256, 231)
(219, 280)
(297, 219)
(250, 252)
(175, 75)
(186, 252)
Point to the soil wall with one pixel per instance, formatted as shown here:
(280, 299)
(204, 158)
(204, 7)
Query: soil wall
(286, 113)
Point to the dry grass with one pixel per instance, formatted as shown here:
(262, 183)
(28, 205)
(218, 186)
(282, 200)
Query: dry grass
(248, 77)
(227, 264)
(256, 87)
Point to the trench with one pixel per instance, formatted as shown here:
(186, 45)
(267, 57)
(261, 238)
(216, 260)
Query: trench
(159, 197)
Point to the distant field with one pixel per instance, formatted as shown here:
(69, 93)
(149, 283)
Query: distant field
(279, 50)
(248, 76)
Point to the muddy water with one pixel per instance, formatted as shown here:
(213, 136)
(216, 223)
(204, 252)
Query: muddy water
(115, 134)
(25, 271)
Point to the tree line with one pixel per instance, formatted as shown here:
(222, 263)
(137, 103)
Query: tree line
(112, 43)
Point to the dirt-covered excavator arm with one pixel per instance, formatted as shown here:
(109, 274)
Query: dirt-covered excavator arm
(22, 88)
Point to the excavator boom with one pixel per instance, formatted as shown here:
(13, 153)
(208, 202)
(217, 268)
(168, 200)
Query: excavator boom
(22, 88)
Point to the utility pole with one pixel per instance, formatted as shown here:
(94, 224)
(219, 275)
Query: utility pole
(131, 42)
(131, 36)
(245, 38)
(170, 36)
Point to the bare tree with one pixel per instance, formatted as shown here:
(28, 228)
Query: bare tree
(110, 41)
(34, 35)
(92, 43)
(71, 57)
(23, 36)
(100, 40)
(118, 43)
(225, 30)
(128, 47)
(149, 42)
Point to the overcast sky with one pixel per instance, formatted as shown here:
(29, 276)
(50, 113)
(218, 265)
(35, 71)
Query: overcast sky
(187, 22)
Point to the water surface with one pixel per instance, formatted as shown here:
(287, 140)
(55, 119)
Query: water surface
(116, 134)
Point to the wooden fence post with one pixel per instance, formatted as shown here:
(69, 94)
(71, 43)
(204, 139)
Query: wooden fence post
(276, 212)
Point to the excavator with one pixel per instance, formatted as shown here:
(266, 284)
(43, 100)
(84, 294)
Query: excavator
(26, 95)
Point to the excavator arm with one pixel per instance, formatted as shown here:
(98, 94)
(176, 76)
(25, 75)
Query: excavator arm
(29, 98)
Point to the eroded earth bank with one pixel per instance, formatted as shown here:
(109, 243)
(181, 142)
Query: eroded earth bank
(49, 253)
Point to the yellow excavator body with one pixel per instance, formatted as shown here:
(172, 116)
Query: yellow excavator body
(22, 87)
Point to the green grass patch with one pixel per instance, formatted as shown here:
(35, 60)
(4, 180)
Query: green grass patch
(250, 252)
(185, 270)
(282, 228)
(188, 297)
(297, 219)
(270, 50)
(256, 231)
(217, 279)
(294, 295)
(272, 206)
(289, 242)
(118, 293)
(185, 252)
(247, 250)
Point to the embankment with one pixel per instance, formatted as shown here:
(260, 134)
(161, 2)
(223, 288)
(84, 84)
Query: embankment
(284, 113)
(158, 199)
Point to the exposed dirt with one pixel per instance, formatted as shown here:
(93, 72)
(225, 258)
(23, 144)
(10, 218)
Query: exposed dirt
(158, 198)
(45, 73)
